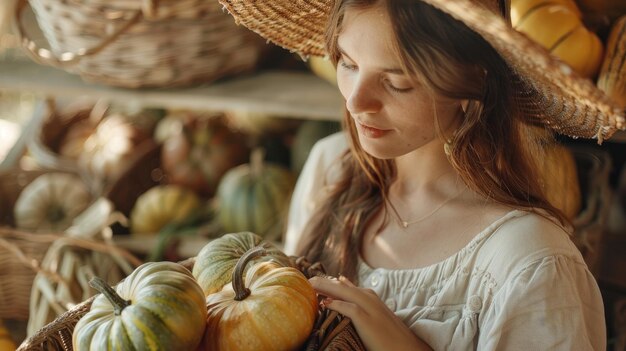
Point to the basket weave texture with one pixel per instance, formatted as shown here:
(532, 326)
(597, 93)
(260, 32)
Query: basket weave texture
(141, 43)
(332, 331)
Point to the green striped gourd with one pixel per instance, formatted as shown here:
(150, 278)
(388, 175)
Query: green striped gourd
(255, 197)
(159, 306)
(216, 261)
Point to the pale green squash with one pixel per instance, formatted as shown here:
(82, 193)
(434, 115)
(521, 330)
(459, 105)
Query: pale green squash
(159, 306)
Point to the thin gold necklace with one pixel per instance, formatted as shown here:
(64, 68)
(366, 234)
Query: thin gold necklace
(406, 224)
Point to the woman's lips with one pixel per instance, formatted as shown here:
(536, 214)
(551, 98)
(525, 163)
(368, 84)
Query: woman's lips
(372, 132)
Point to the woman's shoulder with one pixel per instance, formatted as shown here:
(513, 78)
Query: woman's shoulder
(324, 159)
(525, 238)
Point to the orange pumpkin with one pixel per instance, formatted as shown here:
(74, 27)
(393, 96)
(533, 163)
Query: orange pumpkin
(6, 343)
(276, 311)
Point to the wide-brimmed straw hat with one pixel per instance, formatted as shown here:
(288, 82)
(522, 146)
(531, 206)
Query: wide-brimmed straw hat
(552, 92)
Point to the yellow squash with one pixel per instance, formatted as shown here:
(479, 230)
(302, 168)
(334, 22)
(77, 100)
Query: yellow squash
(161, 206)
(558, 27)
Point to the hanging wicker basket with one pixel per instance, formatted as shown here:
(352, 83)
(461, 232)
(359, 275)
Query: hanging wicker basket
(141, 43)
(332, 331)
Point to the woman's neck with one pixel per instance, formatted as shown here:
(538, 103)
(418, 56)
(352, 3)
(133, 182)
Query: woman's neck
(423, 170)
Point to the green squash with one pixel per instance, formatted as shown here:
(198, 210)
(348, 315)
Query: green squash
(255, 197)
(159, 306)
(216, 261)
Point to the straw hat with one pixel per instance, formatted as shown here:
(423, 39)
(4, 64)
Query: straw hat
(552, 92)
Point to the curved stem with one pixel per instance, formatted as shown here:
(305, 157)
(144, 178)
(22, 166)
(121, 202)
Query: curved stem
(241, 292)
(116, 300)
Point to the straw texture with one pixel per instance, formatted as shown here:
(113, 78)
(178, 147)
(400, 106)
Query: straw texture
(140, 43)
(549, 91)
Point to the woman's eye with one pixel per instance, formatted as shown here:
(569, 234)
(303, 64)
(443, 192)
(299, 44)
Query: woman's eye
(347, 66)
(397, 89)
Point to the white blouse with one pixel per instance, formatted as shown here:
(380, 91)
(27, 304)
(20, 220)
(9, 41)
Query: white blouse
(520, 284)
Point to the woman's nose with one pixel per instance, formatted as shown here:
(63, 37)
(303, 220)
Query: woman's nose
(363, 98)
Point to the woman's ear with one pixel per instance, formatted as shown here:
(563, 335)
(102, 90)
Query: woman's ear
(464, 104)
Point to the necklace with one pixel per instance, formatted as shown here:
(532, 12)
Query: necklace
(406, 224)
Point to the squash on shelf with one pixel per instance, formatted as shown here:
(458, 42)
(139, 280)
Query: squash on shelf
(558, 27)
(612, 77)
(159, 306)
(255, 197)
(160, 206)
(272, 308)
(215, 262)
(198, 154)
(51, 202)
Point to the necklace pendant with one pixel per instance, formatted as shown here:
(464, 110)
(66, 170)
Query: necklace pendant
(405, 224)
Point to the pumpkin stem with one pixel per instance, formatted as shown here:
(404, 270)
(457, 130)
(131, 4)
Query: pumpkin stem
(116, 300)
(256, 161)
(241, 292)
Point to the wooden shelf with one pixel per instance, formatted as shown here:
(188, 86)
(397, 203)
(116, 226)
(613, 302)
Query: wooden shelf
(280, 93)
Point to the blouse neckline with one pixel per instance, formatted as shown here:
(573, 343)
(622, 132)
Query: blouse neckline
(471, 245)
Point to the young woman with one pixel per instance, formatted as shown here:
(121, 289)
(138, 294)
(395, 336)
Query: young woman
(430, 207)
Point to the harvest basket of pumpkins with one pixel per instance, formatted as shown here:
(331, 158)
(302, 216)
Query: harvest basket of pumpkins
(140, 43)
(239, 293)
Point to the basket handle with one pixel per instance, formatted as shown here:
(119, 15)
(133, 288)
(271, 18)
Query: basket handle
(45, 56)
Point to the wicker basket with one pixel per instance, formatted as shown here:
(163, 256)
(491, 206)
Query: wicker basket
(141, 43)
(332, 332)
(20, 252)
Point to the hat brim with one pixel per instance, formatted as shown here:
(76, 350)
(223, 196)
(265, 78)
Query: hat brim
(554, 94)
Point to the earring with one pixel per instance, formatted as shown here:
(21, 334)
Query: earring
(448, 146)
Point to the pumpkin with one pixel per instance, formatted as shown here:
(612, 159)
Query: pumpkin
(307, 135)
(612, 77)
(109, 149)
(274, 308)
(6, 343)
(255, 197)
(215, 262)
(159, 306)
(323, 68)
(258, 123)
(560, 30)
(199, 154)
(51, 202)
(161, 205)
(520, 8)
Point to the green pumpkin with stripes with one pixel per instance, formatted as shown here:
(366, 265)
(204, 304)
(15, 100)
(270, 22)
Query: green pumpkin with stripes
(216, 261)
(159, 306)
(255, 197)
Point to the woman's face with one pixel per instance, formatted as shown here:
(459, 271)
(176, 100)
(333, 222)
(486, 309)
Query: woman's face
(393, 114)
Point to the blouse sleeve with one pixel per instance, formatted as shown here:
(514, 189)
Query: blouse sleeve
(315, 174)
(552, 304)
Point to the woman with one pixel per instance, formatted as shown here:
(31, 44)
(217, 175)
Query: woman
(430, 207)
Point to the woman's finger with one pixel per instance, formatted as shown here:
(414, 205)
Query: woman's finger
(348, 309)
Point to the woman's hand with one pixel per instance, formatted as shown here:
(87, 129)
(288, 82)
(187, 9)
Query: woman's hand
(378, 327)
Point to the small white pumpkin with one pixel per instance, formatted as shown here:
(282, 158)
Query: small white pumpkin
(51, 202)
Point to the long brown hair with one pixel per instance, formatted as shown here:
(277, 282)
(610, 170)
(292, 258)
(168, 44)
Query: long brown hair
(495, 149)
